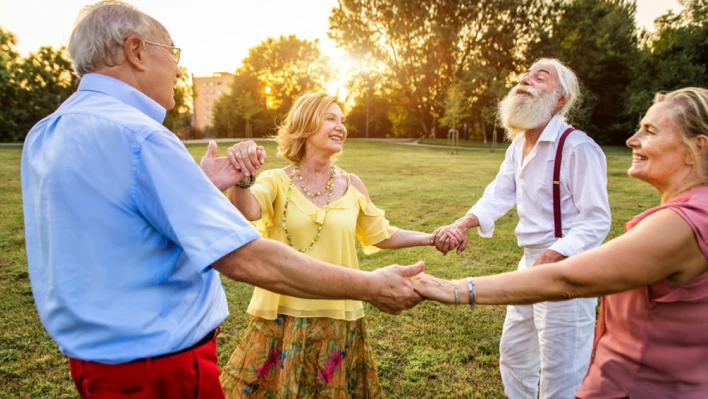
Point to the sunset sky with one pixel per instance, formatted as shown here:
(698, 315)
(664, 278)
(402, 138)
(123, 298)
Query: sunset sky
(214, 35)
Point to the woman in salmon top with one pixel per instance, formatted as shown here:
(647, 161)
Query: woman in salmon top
(297, 347)
(651, 339)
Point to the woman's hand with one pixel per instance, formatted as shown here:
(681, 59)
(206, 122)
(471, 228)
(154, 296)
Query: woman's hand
(433, 288)
(246, 157)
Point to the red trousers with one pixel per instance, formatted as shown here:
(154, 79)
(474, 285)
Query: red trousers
(192, 374)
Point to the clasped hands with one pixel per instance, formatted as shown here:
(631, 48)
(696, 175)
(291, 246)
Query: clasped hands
(242, 161)
(447, 238)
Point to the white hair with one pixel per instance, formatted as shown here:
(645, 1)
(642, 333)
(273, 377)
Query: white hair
(101, 29)
(569, 85)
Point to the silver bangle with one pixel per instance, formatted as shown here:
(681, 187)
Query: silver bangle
(473, 293)
(457, 292)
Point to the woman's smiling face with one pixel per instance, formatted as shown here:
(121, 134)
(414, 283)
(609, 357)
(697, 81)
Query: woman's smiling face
(659, 154)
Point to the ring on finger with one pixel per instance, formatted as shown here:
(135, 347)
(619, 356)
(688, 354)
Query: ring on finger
(238, 154)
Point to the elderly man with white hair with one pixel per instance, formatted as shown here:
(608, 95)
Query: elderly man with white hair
(557, 178)
(126, 235)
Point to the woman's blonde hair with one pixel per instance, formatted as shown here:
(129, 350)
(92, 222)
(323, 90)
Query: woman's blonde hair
(302, 121)
(690, 106)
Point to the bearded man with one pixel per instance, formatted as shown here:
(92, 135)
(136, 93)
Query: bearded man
(554, 338)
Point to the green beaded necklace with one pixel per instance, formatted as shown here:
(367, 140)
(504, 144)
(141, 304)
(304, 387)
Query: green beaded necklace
(329, 187)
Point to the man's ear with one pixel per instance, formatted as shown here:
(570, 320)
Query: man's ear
(134, 52)
(561, 103)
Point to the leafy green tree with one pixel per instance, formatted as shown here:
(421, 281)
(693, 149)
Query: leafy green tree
(674, 56)
(178, 118)
(368, 117)
(245, 105)
(456, 107)
(598, 40)
(288, 66)
(37, 85)
(272, 76)
(424, 46)
(10, 113)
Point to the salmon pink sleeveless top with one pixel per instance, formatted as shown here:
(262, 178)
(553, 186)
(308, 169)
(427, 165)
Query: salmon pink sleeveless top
(652, 342)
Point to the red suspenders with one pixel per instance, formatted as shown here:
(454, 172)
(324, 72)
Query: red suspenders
(556, 183)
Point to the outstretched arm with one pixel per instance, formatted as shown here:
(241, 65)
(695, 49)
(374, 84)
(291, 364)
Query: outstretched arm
(278, 268)
(662, 246)
(401, 238)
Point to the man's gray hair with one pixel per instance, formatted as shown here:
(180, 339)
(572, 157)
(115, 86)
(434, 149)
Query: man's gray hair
(101, 30)
(569, 84)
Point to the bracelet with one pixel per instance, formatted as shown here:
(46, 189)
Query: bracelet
(473, 293)
(247, 185)
(457, 292)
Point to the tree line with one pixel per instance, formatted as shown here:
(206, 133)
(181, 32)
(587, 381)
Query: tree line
(32, 87)
(423, 66)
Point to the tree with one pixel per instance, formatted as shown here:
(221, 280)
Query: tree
(424, 46)
(288, 67)
(178, 118)
(33, 87)
(456, 107)
(674, 56)
(272, 76)
(10, 113)
(598, 40)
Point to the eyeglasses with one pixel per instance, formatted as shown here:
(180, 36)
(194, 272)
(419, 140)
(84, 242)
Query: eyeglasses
(176, 51)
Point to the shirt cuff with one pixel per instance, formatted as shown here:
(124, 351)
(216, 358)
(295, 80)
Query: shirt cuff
(565, 247)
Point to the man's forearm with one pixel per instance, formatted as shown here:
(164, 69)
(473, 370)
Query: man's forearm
(468, 221)
(274, 266)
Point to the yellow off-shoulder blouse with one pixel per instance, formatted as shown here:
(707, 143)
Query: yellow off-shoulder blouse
(350, 217)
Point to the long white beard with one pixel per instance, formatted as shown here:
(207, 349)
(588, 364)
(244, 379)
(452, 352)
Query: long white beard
(521, 112)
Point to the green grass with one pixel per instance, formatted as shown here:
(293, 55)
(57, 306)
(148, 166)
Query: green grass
(431, 351)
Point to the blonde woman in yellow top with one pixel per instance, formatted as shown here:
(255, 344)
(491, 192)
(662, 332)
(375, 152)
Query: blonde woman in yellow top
(305, 348)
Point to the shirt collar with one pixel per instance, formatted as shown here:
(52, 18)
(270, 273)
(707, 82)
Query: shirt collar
(553, 129)
(123, 92)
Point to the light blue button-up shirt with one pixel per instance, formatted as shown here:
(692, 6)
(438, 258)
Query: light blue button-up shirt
(121, 228)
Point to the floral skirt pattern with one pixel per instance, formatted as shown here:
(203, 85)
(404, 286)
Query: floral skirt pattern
(294, 357)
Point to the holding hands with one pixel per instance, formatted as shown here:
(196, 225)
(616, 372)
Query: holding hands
(246, 157)
(242, 161)
(454, 235)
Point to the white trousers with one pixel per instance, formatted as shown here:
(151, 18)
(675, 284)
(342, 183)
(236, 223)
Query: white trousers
(554, 338)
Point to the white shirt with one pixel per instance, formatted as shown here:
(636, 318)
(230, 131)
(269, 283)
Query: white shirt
(585, 208)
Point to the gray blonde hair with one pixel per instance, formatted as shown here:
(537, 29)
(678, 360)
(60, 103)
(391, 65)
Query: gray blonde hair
(100, 31)
(569, 85)
(302, 121)
(690, 106)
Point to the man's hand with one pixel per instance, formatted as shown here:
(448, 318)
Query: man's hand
(548, 256)
(393, 291)
(219, 170)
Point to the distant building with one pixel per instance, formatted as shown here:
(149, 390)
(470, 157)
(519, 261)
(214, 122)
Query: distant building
(207, 91)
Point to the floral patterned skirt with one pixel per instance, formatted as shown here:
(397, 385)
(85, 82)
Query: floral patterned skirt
(294, 357)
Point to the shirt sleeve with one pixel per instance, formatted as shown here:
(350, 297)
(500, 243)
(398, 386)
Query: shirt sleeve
(587, 182)
(371, 226)
(179, 201)
(499, 196)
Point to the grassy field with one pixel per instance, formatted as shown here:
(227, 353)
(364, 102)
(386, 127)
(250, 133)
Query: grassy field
(431, 351)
